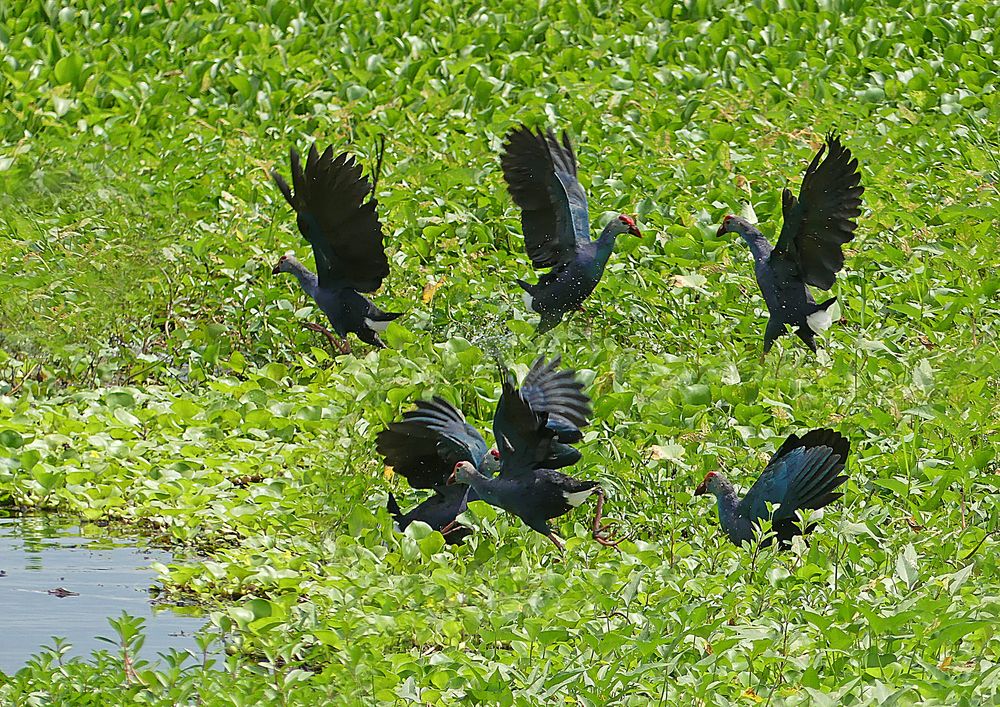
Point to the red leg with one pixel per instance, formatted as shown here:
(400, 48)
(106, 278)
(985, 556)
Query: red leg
(341, 345)
(553, 538)
(450, 527)
(600, 530)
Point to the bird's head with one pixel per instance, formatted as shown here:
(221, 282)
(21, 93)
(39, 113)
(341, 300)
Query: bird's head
(733, 224)
(491, 462)
(625, 224)
(462, 473)
(286, 263)
(713, 483)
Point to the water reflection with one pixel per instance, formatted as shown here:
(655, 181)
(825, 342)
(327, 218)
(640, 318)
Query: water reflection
(57, 581)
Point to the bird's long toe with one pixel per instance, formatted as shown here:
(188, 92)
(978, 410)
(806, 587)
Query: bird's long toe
(605, 540)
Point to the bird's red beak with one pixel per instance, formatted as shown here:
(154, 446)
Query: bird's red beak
(275, 270)
(451, 479)
(634, 231)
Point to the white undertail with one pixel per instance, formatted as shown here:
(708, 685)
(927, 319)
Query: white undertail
(575, 499)
(819, 321)
(376, 325)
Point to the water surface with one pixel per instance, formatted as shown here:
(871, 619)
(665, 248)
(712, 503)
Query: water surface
(107, 575)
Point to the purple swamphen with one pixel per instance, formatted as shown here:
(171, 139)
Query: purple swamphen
(803, 473)
(808, 252)
(346, 237)
(425, 446)
(541, 177)
(527, 485)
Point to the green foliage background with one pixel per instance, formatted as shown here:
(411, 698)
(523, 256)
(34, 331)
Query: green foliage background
(155, 374)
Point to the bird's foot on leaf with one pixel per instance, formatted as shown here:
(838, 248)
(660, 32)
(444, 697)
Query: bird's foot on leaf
(342, 346)
(451, 527)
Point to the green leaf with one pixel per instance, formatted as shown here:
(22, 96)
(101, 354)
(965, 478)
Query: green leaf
(69, 69)
(906, 567)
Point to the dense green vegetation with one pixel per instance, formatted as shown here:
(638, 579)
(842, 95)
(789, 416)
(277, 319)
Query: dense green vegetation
(155, 374)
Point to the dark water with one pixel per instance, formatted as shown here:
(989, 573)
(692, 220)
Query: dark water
(108, 574)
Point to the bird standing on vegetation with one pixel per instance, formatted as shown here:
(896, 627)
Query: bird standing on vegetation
(527, 485)
(425, 446)
(346, 237)
(808, 252)
(803, 473)
(541, 177)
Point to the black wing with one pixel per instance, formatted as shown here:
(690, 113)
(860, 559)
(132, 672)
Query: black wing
(802, 474)
(823, 218)
(541, 177)
(332, 214)
(560, 394)
(522, 435)
(814, 438)
(427, 444)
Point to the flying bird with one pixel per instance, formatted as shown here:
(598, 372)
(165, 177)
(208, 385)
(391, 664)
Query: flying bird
(816, 226)
(346, 237)
(541, 177)
(804, 473)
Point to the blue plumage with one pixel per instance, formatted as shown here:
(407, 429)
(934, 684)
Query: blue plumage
(541, 176)
(528, 486)
(803, 473)
(808, 251)
(430, 440)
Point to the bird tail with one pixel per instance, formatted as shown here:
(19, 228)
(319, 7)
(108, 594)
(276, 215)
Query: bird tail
(386, 316)
(376, 322)
(548, 323)
(825, 305)
(393, 508)
(379, 154)
(819, 320)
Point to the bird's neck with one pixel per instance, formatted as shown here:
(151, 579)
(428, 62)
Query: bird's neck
(606, 243)
(728, 502)
(482, 485)
(308, 281)
(758, 244)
